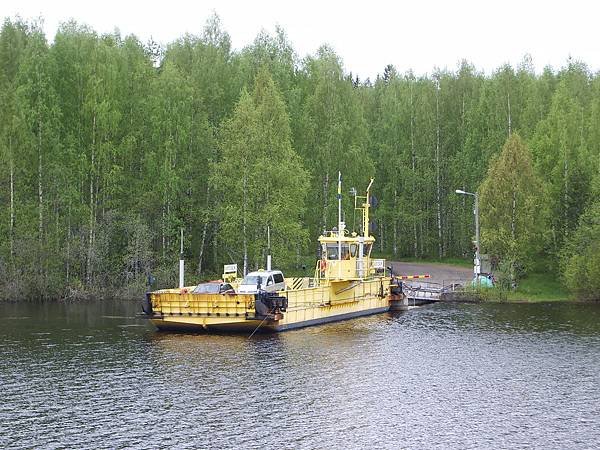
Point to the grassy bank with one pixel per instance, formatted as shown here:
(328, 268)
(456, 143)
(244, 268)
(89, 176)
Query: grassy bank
(541, 286)
(536, 287)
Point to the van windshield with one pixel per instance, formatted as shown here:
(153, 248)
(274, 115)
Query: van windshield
(253, 279)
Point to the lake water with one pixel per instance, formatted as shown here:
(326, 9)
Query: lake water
(92, 375)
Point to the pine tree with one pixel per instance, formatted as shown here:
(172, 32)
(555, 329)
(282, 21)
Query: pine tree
(260, 179)
(513, 208)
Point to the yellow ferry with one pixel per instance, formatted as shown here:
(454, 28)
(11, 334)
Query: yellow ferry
(347, 283)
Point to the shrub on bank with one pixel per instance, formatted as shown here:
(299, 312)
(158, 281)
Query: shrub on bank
(580, 262)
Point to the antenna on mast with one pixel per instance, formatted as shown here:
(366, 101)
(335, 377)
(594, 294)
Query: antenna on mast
(181, 263)
(366, 212)
(341, 224)
(268, 247)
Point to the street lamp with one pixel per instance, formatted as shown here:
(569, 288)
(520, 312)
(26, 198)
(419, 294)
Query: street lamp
(477, 266)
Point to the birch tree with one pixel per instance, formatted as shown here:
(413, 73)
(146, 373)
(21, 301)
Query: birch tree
(580, 257)
(561, 152)
(332, 136)
(13, 40)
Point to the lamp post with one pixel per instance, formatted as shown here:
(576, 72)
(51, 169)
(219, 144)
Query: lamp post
(477, 266)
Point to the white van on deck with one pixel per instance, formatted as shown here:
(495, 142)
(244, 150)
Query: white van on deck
(268, 280)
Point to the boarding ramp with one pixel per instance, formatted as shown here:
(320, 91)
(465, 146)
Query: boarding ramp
(421, 291)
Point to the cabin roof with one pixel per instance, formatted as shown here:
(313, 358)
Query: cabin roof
(345, 239)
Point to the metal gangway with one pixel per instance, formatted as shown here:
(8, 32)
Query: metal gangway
(429, 291)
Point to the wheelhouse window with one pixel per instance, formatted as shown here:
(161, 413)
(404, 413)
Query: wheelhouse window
(332, 251)
(353, 250)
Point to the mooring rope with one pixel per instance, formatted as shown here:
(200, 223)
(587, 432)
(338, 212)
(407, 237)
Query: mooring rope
(266, 316)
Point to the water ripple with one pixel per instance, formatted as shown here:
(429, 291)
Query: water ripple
(461, 376)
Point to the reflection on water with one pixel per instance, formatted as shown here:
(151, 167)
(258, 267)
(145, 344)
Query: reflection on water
(92, 375)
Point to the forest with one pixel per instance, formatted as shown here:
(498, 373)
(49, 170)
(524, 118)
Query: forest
(109, 147)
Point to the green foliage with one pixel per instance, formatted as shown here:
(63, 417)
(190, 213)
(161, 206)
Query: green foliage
(534, 287)
(109, 147)
(562, 153)
(539, 287)
(260, 179)
(580, 260)
(512, 205)
(331, 136)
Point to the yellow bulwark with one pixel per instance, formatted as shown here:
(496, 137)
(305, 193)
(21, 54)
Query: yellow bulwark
(346, 283)
(299, 283)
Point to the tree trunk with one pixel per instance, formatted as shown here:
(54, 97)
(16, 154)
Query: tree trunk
(462, 118)
(395, 237)
(565, 208)
(414, 165)
(421, 240)
(437, 165)
(513, 217)
(12, 199)
(245, 242)
(167, 235)
(162, 227)
(92, 215)
(68, 258)
(204, 232)
(216, 245)
(40, 191)
(325, 198)
(202, 244)
(509, 116)
(103, 192)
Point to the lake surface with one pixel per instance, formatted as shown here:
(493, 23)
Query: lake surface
(92, 375)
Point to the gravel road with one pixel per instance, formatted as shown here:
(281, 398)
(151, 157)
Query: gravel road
(440, 273)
